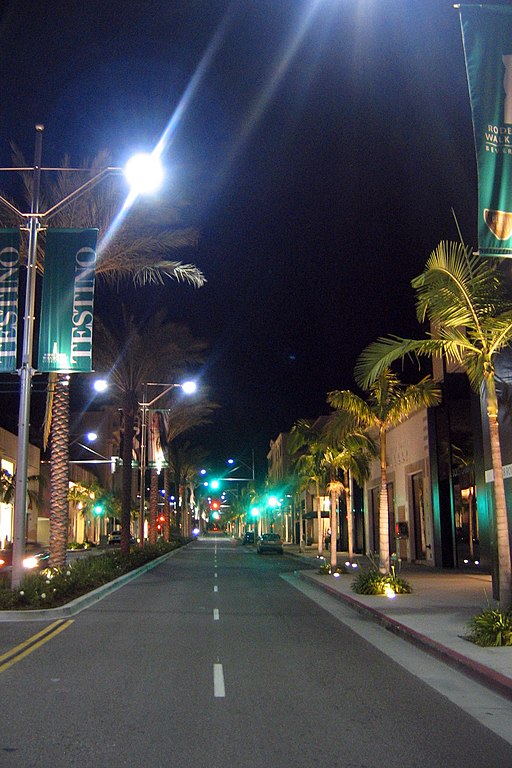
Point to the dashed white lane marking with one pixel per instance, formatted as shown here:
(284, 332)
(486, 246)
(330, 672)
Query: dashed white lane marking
(215, 589)
(215, 575)
(216, 614)
(219, 689)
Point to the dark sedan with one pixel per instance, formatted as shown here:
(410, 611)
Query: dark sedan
(270, 542)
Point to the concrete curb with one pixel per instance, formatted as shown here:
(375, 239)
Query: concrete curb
(84, 601)
(480, 672)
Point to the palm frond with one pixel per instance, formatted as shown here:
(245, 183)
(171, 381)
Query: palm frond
(381, 354)
(457, 287)
(355, 406)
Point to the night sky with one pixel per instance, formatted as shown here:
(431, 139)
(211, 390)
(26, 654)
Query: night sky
(322, 145)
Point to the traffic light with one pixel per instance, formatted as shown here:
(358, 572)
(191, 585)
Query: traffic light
(215, 484)
(98, 509)
(215, 504)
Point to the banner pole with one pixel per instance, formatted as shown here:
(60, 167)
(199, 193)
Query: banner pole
(26, 373)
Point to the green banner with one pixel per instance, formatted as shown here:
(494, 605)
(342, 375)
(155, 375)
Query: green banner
(9, 274)
(65, 334)
(487, 37)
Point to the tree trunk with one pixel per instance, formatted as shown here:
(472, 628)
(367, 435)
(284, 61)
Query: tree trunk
(301, 534)
(383, 509)
(184, 510)
(153, 507)
(129, 410)
(319, 521)
(502, 529)
(167, 507)
(334, 531)
(350, 517)
(59, 472)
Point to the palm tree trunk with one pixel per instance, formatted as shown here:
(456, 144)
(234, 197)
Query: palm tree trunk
(59, 472)
(301, 535)
(153, 507)
(383, 509)
(502, 529)
(319, 521)
(129, 411)
(334, 531)
(167, 507)
(350, 517)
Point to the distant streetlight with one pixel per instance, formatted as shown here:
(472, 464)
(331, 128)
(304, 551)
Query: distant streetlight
(188, 387)
(34, 219)
(232, 462)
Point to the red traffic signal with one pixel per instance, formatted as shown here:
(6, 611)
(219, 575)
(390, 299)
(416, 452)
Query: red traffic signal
(215, 505)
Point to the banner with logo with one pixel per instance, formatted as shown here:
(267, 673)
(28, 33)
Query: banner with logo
(65, 333)
(487, 38)
(9, 275)
(158, 429)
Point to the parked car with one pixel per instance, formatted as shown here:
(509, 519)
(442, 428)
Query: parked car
(270, 542)
(248, 538)
(114, 539)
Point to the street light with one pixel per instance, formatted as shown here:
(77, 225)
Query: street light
(188, 387)
(231, 462)
(26, 371)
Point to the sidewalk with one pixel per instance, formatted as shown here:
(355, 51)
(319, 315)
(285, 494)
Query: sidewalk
(433, 617)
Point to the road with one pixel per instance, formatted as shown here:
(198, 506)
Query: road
(220, 657)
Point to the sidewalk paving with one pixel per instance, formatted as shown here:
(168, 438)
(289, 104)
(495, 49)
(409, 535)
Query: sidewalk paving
(433, 617)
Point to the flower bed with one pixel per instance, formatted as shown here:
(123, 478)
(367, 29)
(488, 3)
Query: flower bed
(53, 587)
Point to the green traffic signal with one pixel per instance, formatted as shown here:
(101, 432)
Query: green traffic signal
(98, 509)
(214, 484)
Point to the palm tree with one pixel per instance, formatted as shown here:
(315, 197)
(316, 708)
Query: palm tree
(135, 247)
(350, 451)
(184, 463)
(184, 415)
(462, 296)
(306, 442)
(8, 490)
(134, 354)
(389, 403)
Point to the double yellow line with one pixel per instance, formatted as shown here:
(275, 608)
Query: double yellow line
(32, 643)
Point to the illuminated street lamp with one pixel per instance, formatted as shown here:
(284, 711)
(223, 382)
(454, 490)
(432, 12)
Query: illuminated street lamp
(35, 218)
(232, 462)
(188, 387)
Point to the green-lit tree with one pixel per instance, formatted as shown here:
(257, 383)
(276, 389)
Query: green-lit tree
(306, 444)
(463, 298)
(389, 403)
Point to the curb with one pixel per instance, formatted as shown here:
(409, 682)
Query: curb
(480, 672)
(84, 601)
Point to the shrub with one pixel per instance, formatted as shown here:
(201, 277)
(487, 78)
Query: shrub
(54, 587)
(491, 628)
(375, 583)
(325, 569)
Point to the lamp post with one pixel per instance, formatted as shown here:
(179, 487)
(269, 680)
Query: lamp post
(188, 387)
(239, 461)
(26, 371)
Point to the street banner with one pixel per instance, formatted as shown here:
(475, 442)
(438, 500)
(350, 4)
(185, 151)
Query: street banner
(158, 422)
(487, 38)
(65, 333)
(9, 275)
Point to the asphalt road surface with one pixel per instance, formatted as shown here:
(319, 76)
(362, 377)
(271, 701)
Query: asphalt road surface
(220, 658)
